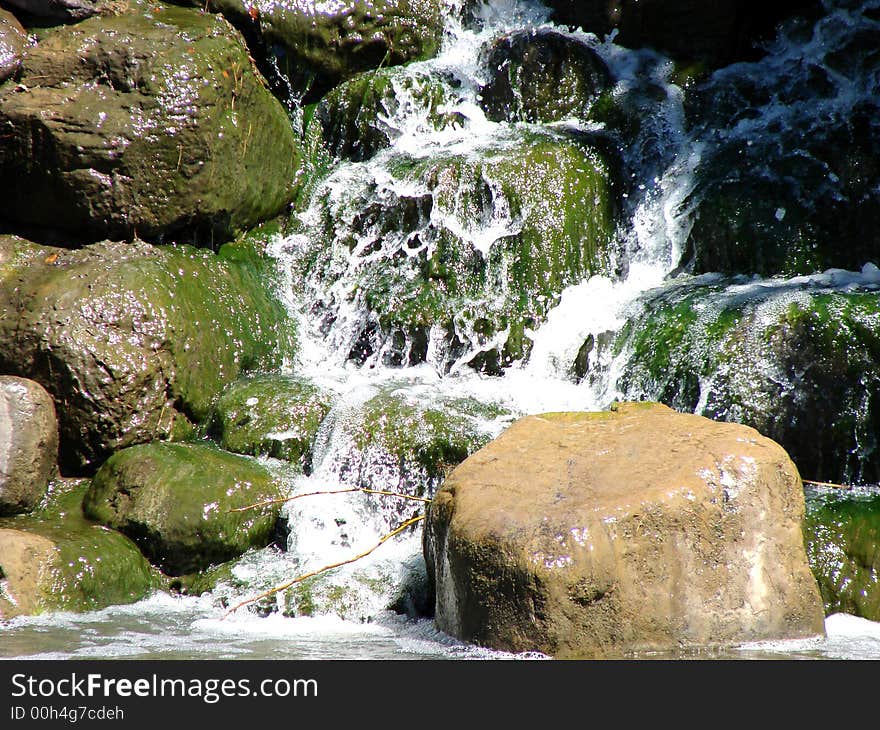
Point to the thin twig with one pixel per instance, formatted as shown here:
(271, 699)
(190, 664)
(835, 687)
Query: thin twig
(826, 484)
(300, 578)
(350, 490)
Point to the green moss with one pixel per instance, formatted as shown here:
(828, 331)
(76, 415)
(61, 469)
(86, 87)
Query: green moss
(842, 535)
(176, 500)
(550, 206)
(272, 415)
(797, 363)
(94, 567)
(197, 147)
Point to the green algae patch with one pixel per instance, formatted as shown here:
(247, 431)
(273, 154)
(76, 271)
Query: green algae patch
(175, 502)
(797, 361)
(353, 116)
(316, 48)
(56, 560)
(842, 536)
(464, 254)
(152, 124)
(270, 415)
(136, 341)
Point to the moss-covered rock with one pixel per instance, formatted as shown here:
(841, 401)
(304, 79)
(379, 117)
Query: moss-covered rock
(842, 534)
(133, 341)
(542, 76)
(55, 559)
(456, 256)
(811, 208)
(357, 117)
(797, 360)
(271, 415)
(398, 440)
(317, 45)
(175, 502)
(151, 123)
(718, 33)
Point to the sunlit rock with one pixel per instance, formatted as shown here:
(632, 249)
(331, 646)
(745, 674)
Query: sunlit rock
(149, 124)
(601, 534)
(28, 444)
(133, 341)
(13, 41)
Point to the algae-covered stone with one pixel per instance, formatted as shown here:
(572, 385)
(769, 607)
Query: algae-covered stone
(271, 415)
(455, 256)
(55, 559)
(542, 76)
(400, 441)
(601, 534)
(842, 532)
(317, 45)
(796, 359)
(176, 500)
(28, 444)
(357, 118)
(151, 123)
(133, 341)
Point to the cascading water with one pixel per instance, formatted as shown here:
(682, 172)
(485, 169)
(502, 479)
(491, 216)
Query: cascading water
(426, 200)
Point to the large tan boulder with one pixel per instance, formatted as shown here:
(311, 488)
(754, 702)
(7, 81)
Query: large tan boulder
(603, 534)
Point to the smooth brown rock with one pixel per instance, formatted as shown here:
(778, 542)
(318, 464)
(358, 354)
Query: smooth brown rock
(24, 562)
(604, 534)
(28, 444)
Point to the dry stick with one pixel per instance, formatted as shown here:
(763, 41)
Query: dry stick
(300, 578)
(827, 484)
(269, 502)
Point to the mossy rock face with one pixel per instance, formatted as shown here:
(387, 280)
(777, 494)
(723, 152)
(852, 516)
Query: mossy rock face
(271, 415)
(56, 560)
(842, 533)
(400, 441)
(13, 40)
(542, 76)
(458, 255)
(796, 360)
(174, 501)
(151, 123)
(357, 117)
(133, 341)
(318, 45)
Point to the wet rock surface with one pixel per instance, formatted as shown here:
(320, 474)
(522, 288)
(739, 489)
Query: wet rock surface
(598, 534)
(28, 444)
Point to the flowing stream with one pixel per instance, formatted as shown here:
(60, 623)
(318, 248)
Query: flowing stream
(344, 350)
